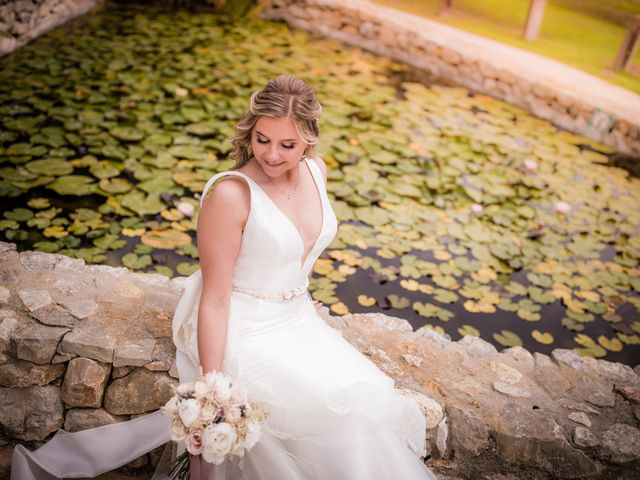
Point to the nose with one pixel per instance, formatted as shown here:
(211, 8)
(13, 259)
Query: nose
(272, 152)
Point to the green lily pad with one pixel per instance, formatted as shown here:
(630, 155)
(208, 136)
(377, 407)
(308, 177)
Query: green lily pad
(73, 185)
(128, 134)
(142, 204)
(50, 166)
(18, 214)
(136, 262)
(507, 338)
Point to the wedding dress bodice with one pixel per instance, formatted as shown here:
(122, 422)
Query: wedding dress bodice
(271, 252)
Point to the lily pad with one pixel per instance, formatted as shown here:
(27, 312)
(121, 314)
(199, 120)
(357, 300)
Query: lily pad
(507, 338)
(169, 239)
(73, 185)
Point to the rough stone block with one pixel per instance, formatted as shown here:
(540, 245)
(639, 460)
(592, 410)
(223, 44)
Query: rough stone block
(17, 373)
(135, 353)
(476, 346)
(87, 343)
(31, 413)
(621, 444)
(34, 299)
(469, 433)
(140, 391)
(37, 343)
(84, 383)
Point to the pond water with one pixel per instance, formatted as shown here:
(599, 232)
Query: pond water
(458, 212)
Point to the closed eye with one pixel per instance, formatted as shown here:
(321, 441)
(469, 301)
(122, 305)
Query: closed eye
(289, 145)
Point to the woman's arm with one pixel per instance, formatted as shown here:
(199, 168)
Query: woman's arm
(220, 224)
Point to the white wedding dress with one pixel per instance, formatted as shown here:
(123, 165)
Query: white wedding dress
(333, 415)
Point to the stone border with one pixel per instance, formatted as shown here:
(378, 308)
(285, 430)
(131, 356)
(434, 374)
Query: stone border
(567, 97)
(24, 20)
(88, 345)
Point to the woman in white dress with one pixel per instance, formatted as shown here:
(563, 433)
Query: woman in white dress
(333, 415)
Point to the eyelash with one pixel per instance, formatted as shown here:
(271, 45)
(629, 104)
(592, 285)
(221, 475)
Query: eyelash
(267, 141)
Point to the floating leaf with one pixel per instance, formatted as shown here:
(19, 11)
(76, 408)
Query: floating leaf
(50, 166)
(468, 330)
(39, 203)
(127, 134)
(366, 301)
(507, 338)
(142, 204)
(115, 185)
(572, 325)
(73, 185)
(169, 239)
(55, 231)
(397, 301)
(136, 262)
(545, 338)
(591, 349)
(186, 269)
(339, 308)
(611, 344)
(18, 214)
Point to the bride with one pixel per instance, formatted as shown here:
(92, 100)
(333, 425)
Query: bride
(333, 415)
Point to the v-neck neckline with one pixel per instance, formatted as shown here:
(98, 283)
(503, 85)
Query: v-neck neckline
(303, 261)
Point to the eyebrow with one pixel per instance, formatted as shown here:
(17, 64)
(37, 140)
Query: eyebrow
(283, 140)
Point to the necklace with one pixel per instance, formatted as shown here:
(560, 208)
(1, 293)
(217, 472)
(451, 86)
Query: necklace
(288, 195)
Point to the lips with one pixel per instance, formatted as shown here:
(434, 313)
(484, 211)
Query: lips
(273, 164)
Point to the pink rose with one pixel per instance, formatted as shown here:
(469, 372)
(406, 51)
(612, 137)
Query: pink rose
(194, 442)
(238, 395)
(232, 413)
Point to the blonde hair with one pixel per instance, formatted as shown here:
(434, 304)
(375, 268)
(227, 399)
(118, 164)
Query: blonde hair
(283, 96)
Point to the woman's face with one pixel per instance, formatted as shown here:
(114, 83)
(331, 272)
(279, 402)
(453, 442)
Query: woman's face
(276, 145)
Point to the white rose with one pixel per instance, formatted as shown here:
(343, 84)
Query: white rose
(253, 435)
(185, 388)
(209, 412)
(189, 411)
(202, 390)
(218, 439)
(170, 408)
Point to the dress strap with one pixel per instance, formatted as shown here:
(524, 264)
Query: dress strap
(212, 180)
(316, 172)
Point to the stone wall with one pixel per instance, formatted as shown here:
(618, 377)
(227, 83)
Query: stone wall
(23, 20)
(588, 106)
(86, 345)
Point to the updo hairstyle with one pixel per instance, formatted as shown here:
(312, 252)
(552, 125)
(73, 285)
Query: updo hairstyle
(283, 96)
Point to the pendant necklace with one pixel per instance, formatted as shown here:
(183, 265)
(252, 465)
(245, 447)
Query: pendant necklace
(288, 195)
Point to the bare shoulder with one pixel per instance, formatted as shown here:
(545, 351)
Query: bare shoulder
(322, 165)
(229, 200)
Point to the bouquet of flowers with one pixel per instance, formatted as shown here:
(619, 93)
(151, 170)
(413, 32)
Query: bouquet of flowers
(214, 418)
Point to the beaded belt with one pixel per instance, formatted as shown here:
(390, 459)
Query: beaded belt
(285, 295)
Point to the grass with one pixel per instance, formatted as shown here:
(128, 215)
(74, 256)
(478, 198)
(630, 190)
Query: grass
(581, 33)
